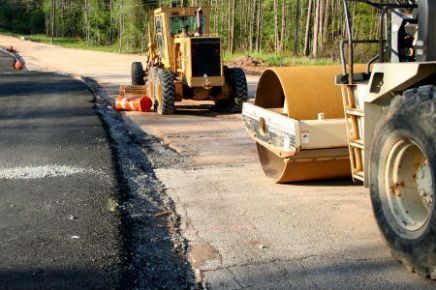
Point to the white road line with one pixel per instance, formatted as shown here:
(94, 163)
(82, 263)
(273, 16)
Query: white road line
(40, 172)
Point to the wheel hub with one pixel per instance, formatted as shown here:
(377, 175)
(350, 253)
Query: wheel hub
(409, 185)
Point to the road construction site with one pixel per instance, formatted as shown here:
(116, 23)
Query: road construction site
(187, 196)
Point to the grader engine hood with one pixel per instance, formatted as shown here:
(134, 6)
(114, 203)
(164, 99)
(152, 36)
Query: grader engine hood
(206, 57)
(205, 67)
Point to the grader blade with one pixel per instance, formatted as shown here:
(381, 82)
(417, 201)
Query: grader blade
(312, 143)
(132, 91)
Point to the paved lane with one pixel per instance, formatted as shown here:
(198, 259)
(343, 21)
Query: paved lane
(57, 184)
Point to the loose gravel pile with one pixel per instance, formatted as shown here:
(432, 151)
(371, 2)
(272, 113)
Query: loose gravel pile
(245, 61)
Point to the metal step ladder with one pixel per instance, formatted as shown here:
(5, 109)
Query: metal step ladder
(354, 116)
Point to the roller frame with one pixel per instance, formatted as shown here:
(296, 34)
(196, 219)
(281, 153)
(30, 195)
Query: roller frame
(286, 137)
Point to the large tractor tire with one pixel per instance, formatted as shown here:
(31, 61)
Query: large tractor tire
(164, 92)
(235, 78)
(402, 176)
(137, 74)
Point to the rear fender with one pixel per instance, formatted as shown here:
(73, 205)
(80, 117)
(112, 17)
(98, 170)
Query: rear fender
(387, 81)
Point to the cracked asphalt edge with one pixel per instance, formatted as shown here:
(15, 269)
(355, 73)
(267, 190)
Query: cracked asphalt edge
(155, 252)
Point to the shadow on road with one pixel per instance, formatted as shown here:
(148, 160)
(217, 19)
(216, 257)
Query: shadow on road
(25, 83)
(330, 182)
(46, 278)
(200, 110)
(336, 271)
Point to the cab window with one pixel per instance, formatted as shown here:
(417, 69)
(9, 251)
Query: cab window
(190, 22)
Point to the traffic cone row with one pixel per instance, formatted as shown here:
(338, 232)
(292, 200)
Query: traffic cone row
(18, 63)
(138, 104)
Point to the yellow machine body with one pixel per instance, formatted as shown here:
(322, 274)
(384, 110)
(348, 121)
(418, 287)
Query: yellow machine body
(309, 139)
(185, 61)
(182, 52)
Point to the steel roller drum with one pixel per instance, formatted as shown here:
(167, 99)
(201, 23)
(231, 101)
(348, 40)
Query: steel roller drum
(307, 91)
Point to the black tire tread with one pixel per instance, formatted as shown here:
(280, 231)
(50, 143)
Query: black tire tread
(417, 107)
(137, 74)
(168, 92)
(240, 89)
(236, 79)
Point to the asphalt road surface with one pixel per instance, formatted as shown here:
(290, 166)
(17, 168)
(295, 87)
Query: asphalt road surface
(240, 229)
(57, 181)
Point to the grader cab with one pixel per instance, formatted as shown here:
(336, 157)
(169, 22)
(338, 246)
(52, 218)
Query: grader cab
(186, 62)
(387, 138)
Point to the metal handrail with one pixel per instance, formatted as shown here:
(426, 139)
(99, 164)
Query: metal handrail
(342, 52)
(383, 7)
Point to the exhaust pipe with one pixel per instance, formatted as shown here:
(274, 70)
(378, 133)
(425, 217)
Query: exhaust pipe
(199, 27)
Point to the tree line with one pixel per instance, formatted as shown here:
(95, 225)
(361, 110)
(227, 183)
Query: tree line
(299, 27)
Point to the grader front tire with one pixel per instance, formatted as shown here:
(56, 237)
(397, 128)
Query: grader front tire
(165, 92)
(402, 176)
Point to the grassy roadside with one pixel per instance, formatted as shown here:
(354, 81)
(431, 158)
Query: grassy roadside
(62, 41)
(8, 33)
(70, 43)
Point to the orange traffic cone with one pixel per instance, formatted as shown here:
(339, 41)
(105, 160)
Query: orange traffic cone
(140, 104)
(18, 65)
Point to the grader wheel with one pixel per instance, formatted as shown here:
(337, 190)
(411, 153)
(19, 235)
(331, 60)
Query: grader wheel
(402, 174)
(235, 78)
(137, 74)
(164, 92)
(239, 88)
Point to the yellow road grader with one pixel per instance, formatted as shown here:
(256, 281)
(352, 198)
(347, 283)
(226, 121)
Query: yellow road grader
(376, 122)
(185, 61)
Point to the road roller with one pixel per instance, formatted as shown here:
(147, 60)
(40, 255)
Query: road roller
(374, 122)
